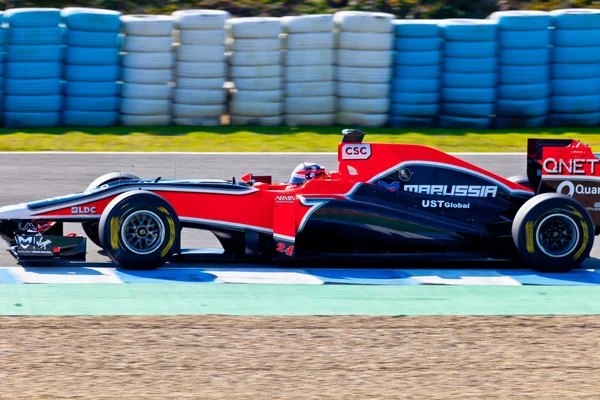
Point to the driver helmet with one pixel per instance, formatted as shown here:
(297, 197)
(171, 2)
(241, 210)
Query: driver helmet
(305, 172)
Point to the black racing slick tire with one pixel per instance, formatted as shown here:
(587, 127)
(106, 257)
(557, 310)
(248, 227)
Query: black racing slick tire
(91, 228)
(553, 233)
(139, 230)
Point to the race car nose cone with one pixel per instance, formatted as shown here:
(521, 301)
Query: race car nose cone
(142, 232)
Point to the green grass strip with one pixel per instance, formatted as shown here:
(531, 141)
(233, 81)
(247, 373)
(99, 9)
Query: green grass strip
(230, 299)
(268, 139)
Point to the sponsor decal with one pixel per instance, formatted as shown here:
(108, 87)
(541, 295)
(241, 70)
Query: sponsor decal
(285, 199)
(25, 242)
(560, 167)
(29, 226)
(569, 188)
(392, 187)
(453, 190)
(356, 151)
(83, 210)
(443, 204)
(37, 243)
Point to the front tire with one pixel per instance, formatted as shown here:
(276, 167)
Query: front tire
(139, 230)
(91, 228)
(553, 233)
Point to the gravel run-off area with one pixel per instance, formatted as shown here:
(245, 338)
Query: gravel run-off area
(350, 357)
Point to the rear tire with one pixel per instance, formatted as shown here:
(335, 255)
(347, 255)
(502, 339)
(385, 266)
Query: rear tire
(553, 233)
(139, 230)
(91, 228)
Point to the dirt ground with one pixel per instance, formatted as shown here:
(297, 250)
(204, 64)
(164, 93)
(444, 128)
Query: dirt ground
(216, 357)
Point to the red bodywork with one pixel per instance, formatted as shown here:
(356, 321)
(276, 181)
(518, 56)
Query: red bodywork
(280, 209)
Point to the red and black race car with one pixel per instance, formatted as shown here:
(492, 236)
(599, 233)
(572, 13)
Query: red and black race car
(386, 202)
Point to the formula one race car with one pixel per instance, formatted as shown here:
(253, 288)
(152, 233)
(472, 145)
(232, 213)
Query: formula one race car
(388, 202)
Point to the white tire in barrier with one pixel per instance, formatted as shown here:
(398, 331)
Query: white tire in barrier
(197, 53)
(310, 105)
(198, 121)
(200, 97)
(304, 41)
(254, 27)
(145, 120)
(309, 119)
(266, 44)
(164, 60)
(308, 23)
(364, 58)
(202, 38)
(147, 25)
(200, 83)
(259, 96)
(273, 83)
(363, 90)
(259, 71)
(195, 111)
(137, 75)
(368, 120)
(146, 91)
(309, 89)
(255, 58)
(201, 70)
(145, 106)
(147, 43)
(364, 106)
(361, 21)
(366, 41)
(309, 57)
(316, 73)
(91, 19)
(364, 75)
(254, 109)
(200, 19)
(260, 121)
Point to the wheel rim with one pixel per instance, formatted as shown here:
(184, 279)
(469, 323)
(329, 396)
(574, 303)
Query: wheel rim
(557, 235)
(142, 232)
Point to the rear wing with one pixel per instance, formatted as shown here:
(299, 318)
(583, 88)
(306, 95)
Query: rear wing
(568, 167)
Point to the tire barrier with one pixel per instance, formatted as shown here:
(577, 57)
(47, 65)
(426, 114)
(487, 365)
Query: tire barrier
(256, 71)
(364, 58)
(516, 105)
(200, 72)
(91, 63)
(93, 67)
(33, 68)
(418, 48)
(308, 77)
(575, 68)
(147, 65)
(469, 65)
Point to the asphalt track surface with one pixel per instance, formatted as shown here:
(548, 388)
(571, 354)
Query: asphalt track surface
(33, 176)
